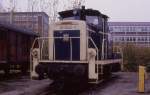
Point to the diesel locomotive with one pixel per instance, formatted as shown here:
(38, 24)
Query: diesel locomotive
(78, 47)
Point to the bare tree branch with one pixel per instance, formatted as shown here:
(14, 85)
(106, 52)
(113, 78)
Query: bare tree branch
(75, 4)
(13, 5)
(48, 6)
(1, 7)
(51, 7)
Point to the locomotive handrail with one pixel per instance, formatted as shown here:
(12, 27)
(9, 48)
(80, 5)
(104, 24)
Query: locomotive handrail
(95, 47)
(96, 54)
(41, 41)
(71, 49)
(41, 47)
(98, 32)
(54, 49)
(41, 52)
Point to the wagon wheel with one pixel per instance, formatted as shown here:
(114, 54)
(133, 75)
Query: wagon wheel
(7, 71)
(23, 70)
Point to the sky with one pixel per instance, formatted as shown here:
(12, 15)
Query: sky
(117, 10)
(123, 10)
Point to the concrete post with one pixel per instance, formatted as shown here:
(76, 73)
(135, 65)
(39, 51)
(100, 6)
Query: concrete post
(141, 82)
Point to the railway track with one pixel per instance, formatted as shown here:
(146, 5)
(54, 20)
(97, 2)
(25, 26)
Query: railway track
(64, 89)
(59, 88)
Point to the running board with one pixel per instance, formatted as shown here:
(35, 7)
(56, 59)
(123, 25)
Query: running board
(109, 61)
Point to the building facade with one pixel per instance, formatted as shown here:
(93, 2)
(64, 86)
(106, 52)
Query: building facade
(137, 33)
(33, 21)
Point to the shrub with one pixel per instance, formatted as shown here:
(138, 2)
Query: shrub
(134, 56)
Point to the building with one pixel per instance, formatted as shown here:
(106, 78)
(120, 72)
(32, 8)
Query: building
(1, 7)
(33, 21)
(137, 33)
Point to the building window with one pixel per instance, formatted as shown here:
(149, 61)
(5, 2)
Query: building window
(110, 28)
(134, 39)
(127, 29)
(127, 39)
(139, 39)
(142, 39)
(145, 38)
(144, 29)
(130, 39)
(122, 38)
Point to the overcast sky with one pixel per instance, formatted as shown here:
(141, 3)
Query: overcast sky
(123, 10)
(118, 10)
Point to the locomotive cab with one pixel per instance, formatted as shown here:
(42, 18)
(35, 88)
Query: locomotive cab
(93, 18)
(97, 26)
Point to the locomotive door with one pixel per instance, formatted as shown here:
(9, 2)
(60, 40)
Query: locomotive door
(67, 48)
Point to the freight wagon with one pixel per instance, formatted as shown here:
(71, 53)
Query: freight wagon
(15, 47)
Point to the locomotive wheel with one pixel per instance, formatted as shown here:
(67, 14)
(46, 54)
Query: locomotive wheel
(7, 71)
(107, 72)
(24, 69)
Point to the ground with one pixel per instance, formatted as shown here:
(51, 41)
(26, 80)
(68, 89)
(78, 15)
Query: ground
(15, 84)
(124, 83)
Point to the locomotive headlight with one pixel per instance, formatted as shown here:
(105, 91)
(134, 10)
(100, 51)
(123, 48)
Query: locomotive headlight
(65, 37)
(35, 53)
(75, 12)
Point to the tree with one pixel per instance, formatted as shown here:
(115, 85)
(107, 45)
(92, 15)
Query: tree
(1, 7)
(53, 10)
(135, 56)
(52, 7)
(74, 4)
(12, 6)
(129, 57)
(143, 56)
(48, 6)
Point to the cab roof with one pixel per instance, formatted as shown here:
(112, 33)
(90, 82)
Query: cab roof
(76, 12)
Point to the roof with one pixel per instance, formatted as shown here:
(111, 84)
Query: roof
(129, 23)
(89, 12)
(17, 29)
(25, 13)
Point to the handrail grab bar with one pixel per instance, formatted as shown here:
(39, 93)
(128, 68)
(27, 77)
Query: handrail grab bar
(39, 38)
